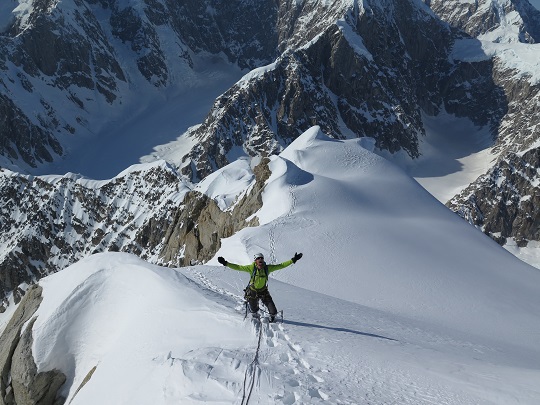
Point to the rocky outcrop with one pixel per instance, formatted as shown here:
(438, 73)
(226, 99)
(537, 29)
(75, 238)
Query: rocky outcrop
(490, 106)
(505, 202)
(487, 16)
(85, 381)
(518, 130)
(21, 138)
(195, 233)
(20, 382)
(48, 224)
(245, 31)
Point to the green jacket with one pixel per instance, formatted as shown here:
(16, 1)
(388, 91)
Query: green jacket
(259, 278)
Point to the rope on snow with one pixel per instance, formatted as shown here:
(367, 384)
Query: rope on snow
(253, 368)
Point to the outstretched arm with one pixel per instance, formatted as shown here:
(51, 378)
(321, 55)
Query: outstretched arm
(234, 266)
(274, 267)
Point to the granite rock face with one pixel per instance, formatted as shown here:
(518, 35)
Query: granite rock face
(352, 83)
(20, 382)
(503, 201)
(198, 227)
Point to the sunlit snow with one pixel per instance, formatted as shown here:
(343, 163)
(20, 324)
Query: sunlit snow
(396, 300)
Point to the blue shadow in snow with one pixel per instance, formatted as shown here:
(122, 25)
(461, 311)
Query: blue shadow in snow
(312, 325)
(296, 175)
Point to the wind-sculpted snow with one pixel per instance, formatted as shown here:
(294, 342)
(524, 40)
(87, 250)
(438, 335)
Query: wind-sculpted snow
(395, 300)
(366, 223)
(106, 303)
(123, 330)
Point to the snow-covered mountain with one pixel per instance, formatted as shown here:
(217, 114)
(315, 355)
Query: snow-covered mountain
(396, 300)
(499, 20)
(148, 210)
(328, 69)
(206, 128)
(93, 87)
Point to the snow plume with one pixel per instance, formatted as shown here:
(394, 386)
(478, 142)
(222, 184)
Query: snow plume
(396, 300)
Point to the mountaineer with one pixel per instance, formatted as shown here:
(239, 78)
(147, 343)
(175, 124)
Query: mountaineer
(257, 288)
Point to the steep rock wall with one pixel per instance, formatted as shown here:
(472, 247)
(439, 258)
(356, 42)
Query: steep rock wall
(20, 382)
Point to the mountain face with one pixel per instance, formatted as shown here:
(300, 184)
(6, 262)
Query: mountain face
(105, 51)
(48, 224)
(52, 222)
(491, 17)
(356, 69)
(503, 201)
(69, 61)
(353, 84)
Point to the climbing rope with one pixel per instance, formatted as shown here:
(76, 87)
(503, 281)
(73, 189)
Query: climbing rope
(253, 368)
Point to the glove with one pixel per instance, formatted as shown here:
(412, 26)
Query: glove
(222, 260)
(297, 256)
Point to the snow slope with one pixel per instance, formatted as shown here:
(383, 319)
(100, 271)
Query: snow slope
(151, 127)
(454, 153)
(391, 244)
(396, 301)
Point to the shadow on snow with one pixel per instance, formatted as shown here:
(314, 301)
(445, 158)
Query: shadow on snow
(312, 325)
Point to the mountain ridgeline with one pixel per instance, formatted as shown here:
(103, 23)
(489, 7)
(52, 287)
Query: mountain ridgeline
(356, 69)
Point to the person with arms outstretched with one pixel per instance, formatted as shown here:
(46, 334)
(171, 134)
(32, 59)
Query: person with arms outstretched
(258, 283)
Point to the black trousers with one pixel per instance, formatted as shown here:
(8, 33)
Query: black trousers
(253, 297)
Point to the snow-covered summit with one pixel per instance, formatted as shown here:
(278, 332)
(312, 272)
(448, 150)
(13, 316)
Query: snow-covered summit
(392, 246)
(396, 300)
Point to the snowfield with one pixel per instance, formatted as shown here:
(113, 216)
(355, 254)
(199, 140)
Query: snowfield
(396, 301)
